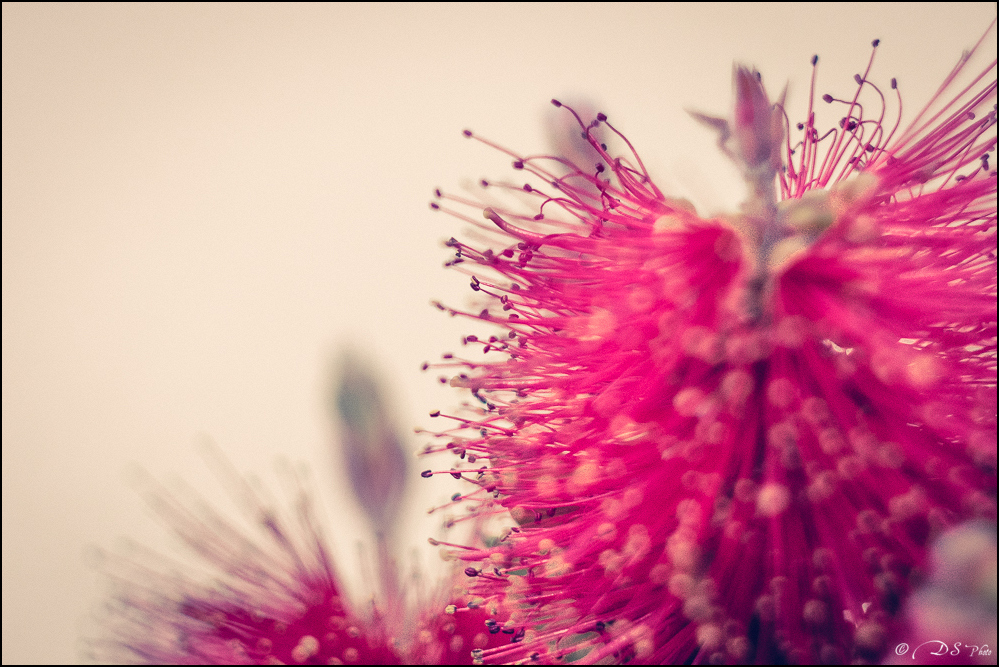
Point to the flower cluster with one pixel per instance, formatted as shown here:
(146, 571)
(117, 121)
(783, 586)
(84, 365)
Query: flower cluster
(269, 593)
(724, 439)
(731, 439)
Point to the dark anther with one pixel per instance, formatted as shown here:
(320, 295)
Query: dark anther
(856, 77)
(508, 252)
(497, 572)
(508, 631)
(467, 133)
(484, 183)
(551, 512)
(815, 59)
(827, 98)
(435, 413)
(490, 622)
(519, 636)
(518, 164)
(875, 43)
(427, 473)
(434, 206)
(455, 496)
(442, 380)
(600, 626)
(535, 656)
(494, 629)
(557, 103)
(600, 168)
(447, 355)
(894, 83)
(456, 475)
(424, 366)
(484, 314)
(437, 193)
(528, 188)
(602, 117)
(471, 571)
(603, 147)
(801, 126)
(472, 339)
(539, 216)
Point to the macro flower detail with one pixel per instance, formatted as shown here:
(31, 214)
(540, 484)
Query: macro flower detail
(731, 439)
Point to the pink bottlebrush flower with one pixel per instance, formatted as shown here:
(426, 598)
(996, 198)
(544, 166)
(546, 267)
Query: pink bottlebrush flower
(271, 594)
(731, 439)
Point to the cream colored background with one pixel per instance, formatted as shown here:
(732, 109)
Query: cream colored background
(201, 204)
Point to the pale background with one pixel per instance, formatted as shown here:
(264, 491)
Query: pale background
(202, 204)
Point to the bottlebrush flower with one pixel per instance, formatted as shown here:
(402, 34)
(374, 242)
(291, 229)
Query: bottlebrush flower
(731, 439)
(271, 594)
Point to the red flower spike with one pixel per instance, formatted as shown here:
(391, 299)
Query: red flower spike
(273, 598)
(731, 440)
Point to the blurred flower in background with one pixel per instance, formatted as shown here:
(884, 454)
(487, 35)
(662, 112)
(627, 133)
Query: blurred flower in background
(952, 618)
(268, 592)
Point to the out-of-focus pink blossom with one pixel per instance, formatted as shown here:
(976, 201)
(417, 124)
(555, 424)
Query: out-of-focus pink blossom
(731, 439)
(270, 593)
(951, 620)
